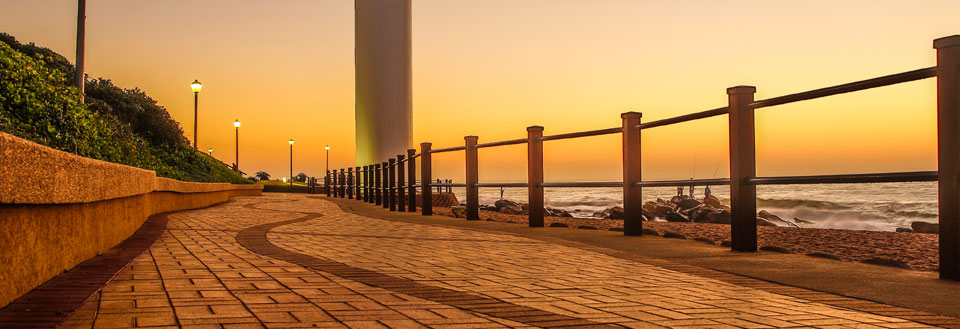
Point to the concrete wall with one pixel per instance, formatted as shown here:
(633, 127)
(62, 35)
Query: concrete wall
(58, 209)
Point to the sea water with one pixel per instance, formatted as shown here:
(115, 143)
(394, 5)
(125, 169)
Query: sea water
(874, 207)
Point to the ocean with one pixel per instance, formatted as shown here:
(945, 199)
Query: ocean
(872, 207)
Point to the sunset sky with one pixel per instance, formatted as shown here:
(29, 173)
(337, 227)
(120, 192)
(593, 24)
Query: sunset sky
(493, 67)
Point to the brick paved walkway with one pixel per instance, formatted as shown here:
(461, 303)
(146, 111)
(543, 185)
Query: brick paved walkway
(288, 261)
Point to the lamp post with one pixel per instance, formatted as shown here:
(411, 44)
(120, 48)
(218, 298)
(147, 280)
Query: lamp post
(236, 162)
(291, 162)
(196, 86)
(328, 156)
(210, 151)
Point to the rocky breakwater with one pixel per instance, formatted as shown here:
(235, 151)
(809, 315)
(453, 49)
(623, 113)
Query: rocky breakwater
(514, 208)
(683, 208)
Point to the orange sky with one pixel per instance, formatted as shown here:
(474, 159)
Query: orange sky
(492, 67)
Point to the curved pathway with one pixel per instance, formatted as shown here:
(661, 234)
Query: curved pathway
(289, 261)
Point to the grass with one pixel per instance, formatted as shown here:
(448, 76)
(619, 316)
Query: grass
(280, 183)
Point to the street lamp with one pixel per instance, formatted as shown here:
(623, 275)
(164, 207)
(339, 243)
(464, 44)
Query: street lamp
(210, 151)
(236, 163)
(328, 156)
(196, 86)
(291, 162)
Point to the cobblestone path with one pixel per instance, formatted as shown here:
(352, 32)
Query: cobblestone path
(293, 261)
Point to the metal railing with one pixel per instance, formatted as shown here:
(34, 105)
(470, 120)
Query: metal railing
(380, 183)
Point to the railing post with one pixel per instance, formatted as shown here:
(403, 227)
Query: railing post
(367, 185)
(401, 185)
(356, 184)
(535, 175)
(326, 183)
(350, 183)
(411, 180)
(632, 194)
(948, 153)
(392, 173)
(377, 185)
(364, 184)
(426, 196)
(743, 166)
(343, 183)
(385, 172)
(472, 178)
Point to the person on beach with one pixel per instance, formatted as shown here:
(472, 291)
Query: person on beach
(706, 191)
(501, 193)
(691, 187)
(679, 190)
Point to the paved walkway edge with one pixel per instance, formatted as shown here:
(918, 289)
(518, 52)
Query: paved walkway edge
(852, 303)
(51, 303)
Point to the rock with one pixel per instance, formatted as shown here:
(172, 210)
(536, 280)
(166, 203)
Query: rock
(718, 217)
(712, 201)
(611, 213)
(823, 255)
(556, 212)
(505, 203)
(661, 210)
(459, 212)
(799, 220)
(705, 240)
(508, 207)
(887, 262)
(904, 229)
(924, 227)
(764, 222)
(773, 219)
(488, 208)
(685, 201)
(779, 249)
(675, 217)
(525, 207)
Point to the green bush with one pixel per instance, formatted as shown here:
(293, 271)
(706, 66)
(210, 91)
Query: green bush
(125, 126)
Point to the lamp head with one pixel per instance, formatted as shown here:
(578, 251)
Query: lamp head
(327, 147)
(291, 141)
(210, 150)
(196, 86)
(236, 123)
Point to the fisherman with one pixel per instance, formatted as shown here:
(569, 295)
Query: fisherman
(706, 191)
(501, 193)
(691, 187)
(679, 190)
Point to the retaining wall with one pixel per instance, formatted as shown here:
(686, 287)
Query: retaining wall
(58, 209)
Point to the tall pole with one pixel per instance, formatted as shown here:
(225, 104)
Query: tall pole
(291, 164)
(236, 153)
(81, 31)
(195, 96)
(328, 157)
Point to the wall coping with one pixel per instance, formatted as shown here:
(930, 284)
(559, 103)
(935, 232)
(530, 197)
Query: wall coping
(31, 173)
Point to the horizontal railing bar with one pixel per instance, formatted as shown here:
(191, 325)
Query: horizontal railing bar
(894, 177)
(598, 132)
(849, 87)
(415, 156)
(503, 143)
(449, 149)
(683, 182)
(685, 118)
(448, 185)
(582, 184)
(501, 184)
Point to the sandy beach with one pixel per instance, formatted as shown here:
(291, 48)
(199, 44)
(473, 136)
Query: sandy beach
(915, 251)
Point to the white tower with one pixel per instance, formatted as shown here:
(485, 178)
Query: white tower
(384, 99)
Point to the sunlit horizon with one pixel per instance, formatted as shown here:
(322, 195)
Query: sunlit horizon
(492, 68)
